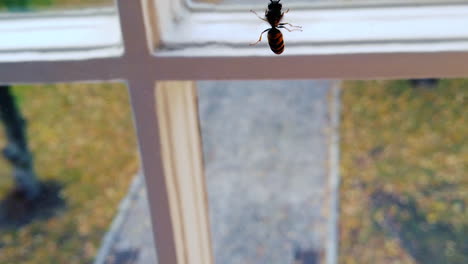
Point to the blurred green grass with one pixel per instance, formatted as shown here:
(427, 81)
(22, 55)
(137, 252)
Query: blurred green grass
(82, 136)
(404, 166)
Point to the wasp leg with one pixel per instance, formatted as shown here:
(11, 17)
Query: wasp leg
(258, 15)
(289, 24)
(287, 10)
(290, 30)
(260, 39)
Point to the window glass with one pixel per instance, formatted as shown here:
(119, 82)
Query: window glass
(84, 156)
(404, 163)
(37, 5)
(267, 149)
(403, 167)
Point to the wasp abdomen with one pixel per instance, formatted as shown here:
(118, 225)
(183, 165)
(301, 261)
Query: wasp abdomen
(275, 40)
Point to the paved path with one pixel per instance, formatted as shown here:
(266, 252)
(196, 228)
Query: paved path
(265, 147)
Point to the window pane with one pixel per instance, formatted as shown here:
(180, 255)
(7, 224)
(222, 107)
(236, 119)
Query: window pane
(85, 156)
(36, 5)
(265, 148)
(404, 172)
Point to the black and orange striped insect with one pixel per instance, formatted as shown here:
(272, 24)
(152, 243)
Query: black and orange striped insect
(273, 16)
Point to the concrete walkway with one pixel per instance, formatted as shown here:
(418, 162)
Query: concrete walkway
(265, 147)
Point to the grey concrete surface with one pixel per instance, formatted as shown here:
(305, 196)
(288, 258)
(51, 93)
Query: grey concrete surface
(134, 242)
(265, 149)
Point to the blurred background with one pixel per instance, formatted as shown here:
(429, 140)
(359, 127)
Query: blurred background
(403, 193)
(84, 149)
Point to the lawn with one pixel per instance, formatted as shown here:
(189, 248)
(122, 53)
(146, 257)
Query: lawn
(84, 146)
(404, 167)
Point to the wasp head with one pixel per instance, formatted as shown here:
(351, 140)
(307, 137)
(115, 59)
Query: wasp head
(274, 4)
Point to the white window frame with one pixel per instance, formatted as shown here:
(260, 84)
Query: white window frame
(144, 45)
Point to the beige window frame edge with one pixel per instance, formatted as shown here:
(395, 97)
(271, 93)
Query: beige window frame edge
(172, 160)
